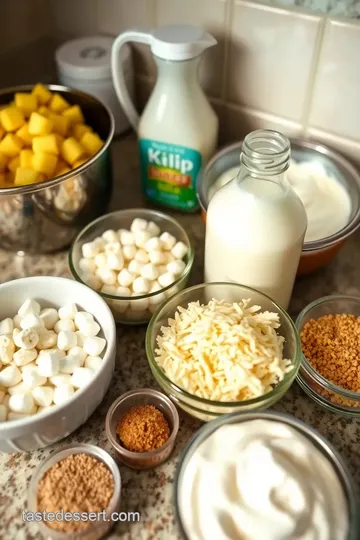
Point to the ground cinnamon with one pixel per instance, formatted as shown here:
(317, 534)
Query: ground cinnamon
(143, 428)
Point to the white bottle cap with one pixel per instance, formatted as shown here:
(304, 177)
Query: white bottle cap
(180, 42)
(89, 58)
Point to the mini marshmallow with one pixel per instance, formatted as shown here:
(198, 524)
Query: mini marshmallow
(87, 265)
(18, 388)
(48, 363)
(141, 285)
(106, 275)
(43, 395)
(153, 244)
(69, 363)
(7, 349)
(33, 379)
(113, 247)
(158, 298)
(115, 261)
(92, 281)
(47, 340)
(123, 291)
(81, 316)
(153, 229)
(60, 379)
(10, 376)
(93, 362)
(110, 236)
(162, 269)
(21, 403)
(90, 249)
(150, 272)
(31, 320)
(6, 326)
(168, 241)
(135, 267)
(28, 367)
(68, 311)
(64, 325)
(139, 305)
(157, 257)
(138, 224)
(142, 256)
(129, 252)
(23, 356)
(66, 340)
(6, 400)
(125, 278)
(127, 238)
(3, 413)
(108, 289)
(166, 279)
(179, 250)
(79, 351)
(81, 377)
(50, 317)
(17, 320)
(80, 338)
(29, 306)
(176, 267)
(100, 261)
(89, 328)
(17, 416)
(100, 243)
(141, 237)
(63, 393)
(26, 339)
(94, 346)
(2, 392)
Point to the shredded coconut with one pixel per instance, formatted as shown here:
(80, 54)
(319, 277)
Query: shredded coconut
(222, 351)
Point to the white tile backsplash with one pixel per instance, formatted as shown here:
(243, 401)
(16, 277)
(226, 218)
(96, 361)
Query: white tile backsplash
(335, 106)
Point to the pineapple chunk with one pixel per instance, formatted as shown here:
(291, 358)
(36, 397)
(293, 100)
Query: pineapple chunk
(11, 145)
(3, 162)
(79, 130)
(74, 114)
(39, 125)
(44, 111)
(60, 124)
(25, 176)
(71, 150)
(91, 142)
(26, 159)
(42, 94)
(9, 177)
(58, 104)
(24, 135)
(27, 103)
(45, 143)
(80, 162)
(61, 168)
(59, 140)
(3, 183)
(12, 118)
(44, 163)
(14, 163)
(2, 132)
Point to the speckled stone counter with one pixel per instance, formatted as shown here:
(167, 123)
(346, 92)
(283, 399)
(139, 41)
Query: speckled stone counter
(150, 493)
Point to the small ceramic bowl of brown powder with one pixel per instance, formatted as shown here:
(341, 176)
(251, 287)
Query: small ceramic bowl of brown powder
(142, 426)
(329, 330)
(78, 489)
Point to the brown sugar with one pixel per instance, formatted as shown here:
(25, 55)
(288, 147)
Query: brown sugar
(143, 428)
(331, 345)
(78, 483)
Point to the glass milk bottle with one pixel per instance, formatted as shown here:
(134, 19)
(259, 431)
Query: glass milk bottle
(255, 225)
(178, 129)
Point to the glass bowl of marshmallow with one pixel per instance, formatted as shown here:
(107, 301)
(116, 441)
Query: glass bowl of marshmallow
(135, 259)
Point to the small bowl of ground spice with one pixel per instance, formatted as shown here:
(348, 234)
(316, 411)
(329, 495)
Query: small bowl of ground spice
(329, 330)
(142, 426)
(77, 490)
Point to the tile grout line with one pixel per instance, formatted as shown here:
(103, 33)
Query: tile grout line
(228, 17)
(313, 75)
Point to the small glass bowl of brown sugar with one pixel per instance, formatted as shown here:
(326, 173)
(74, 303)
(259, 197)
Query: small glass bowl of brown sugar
(142, 426)
(329, 330)
(77, 489)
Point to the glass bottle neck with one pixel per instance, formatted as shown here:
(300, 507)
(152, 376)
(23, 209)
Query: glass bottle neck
(265, 155)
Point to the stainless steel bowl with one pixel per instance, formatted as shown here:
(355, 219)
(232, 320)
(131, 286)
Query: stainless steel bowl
(317, 253)
(46, 217)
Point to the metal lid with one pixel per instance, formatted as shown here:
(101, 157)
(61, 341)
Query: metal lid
(89, 57)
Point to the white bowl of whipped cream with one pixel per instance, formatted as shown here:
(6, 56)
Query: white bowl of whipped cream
(264, 476)
(327, 184)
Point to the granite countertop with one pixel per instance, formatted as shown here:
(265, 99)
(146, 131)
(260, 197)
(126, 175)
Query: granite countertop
(150, 493)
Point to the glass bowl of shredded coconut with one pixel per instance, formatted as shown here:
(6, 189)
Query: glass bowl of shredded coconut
(219, 348)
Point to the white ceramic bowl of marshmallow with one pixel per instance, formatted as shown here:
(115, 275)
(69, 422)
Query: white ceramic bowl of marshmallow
(135, 259)
(57, 357)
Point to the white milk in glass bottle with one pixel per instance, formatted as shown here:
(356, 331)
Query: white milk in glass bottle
(255, 224)
(178, 129)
